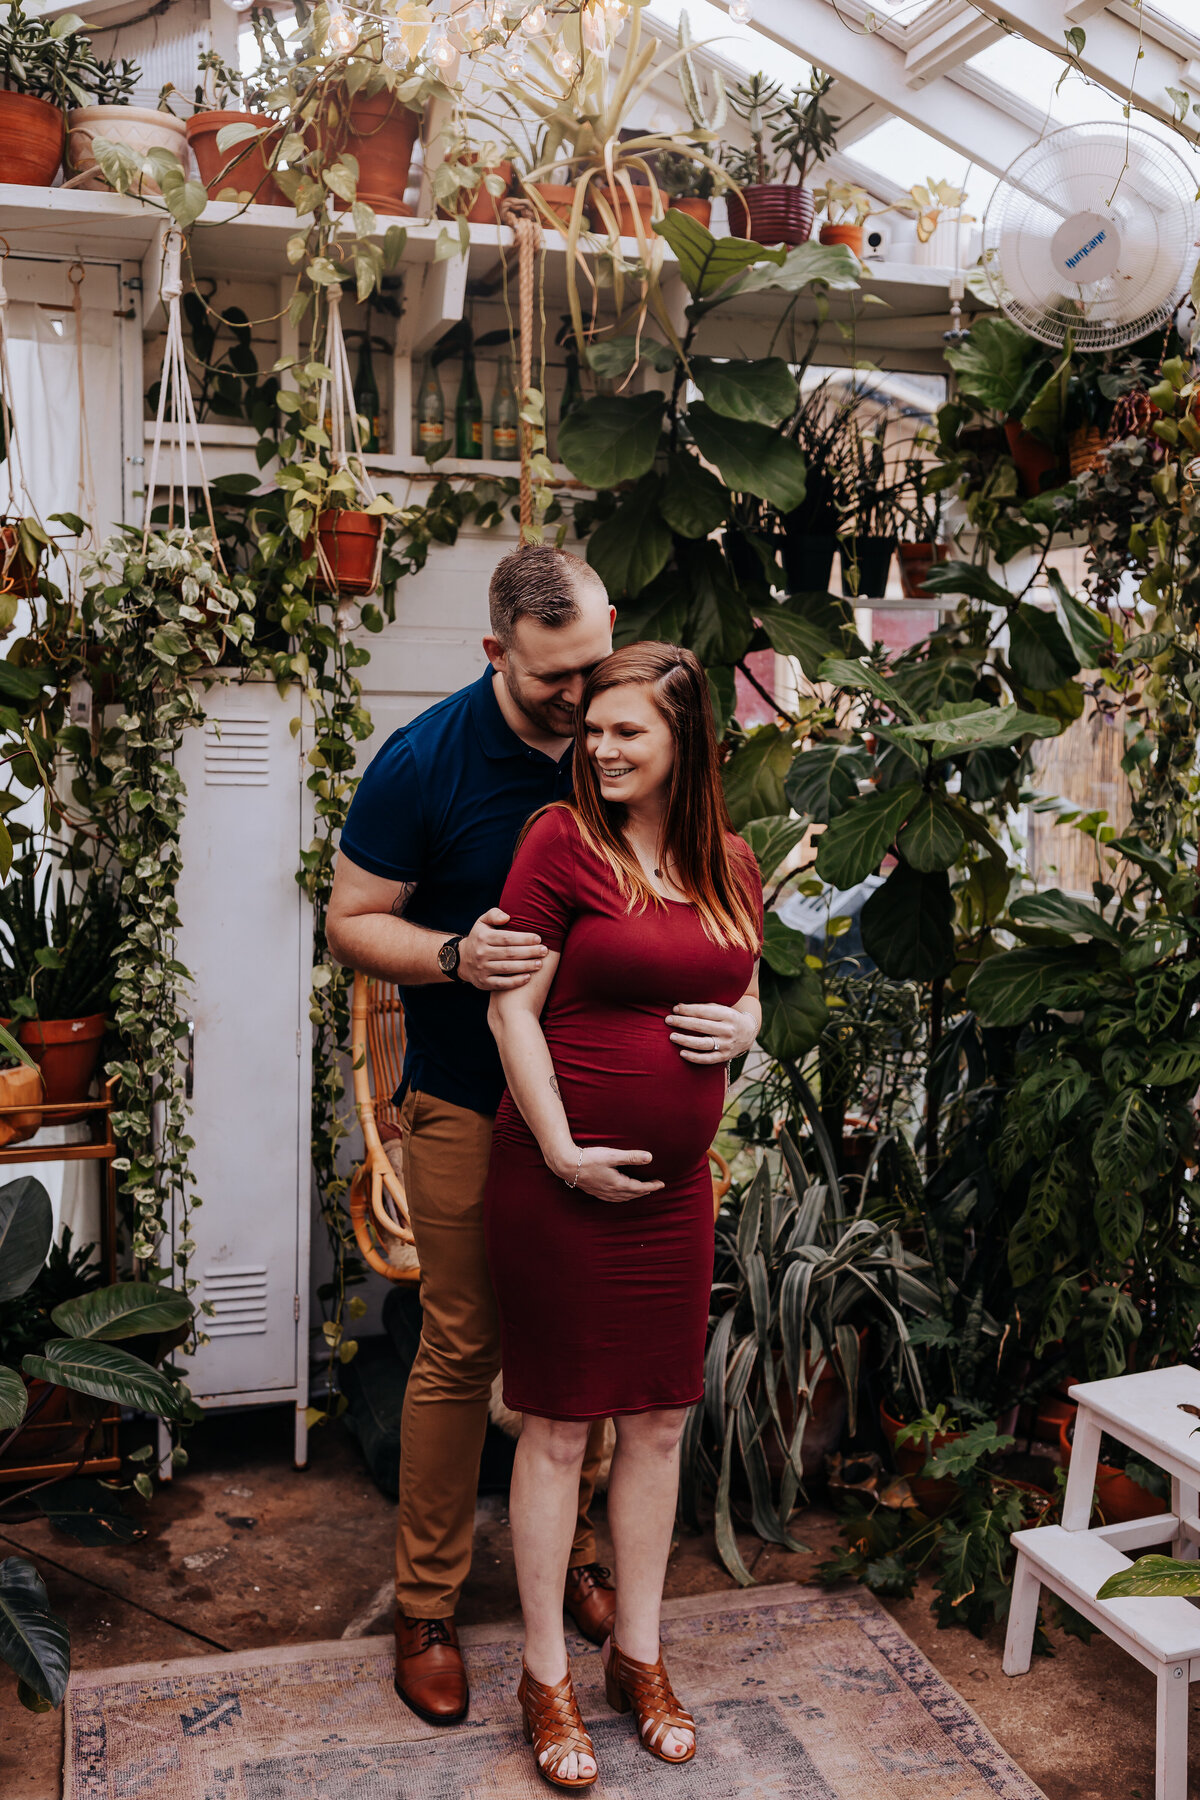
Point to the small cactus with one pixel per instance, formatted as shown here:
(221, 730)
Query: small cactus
(689, 84)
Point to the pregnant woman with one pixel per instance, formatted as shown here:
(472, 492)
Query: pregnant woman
(598, 1212)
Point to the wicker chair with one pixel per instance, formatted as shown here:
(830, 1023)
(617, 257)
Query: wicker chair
(378, 1205)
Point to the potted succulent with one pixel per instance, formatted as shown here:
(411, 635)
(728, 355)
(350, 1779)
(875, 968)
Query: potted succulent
(472, 179)
(845, 208)
(922, 516)
(112, 118)
(234, 146)
(789, 135)
(688, 185)
(57, 949)
(46, 66)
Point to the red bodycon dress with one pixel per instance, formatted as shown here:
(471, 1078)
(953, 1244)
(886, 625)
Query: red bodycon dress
(603, 1307)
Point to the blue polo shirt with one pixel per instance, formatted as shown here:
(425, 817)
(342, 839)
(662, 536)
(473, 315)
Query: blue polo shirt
(442, 804)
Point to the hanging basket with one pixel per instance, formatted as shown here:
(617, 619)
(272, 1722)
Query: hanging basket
(349, 551)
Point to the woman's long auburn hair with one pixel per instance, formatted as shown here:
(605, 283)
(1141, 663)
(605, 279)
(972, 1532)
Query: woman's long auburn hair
(696, 819)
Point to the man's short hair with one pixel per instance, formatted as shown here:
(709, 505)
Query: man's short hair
(537, 582)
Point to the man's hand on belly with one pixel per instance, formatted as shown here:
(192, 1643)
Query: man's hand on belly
(711, 1034)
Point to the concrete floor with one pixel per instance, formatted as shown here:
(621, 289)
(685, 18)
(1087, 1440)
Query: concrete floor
(244, 1551)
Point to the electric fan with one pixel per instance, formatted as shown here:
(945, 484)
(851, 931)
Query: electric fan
(1091, 232)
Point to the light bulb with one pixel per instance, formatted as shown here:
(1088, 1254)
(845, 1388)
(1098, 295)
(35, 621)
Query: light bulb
(564, 63)
(443, 54)
(239, 6)
(343, 33)
(514, 62)
(534, 21)
(740, 11)
(394, 53)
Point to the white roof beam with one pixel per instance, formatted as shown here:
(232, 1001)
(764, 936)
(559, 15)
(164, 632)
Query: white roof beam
(965, 122)
(943, 46)
(1111, 53)
(1077, 11)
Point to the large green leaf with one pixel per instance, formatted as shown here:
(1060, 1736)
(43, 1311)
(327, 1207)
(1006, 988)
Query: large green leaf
(720, 624)
(693, 501)
(784, 949)
(1038, 652)
(633, 546)
(22, 684)
(824, 778)
(1163, 1577)
(1091, 633)
(105, 1373)
(754, 775)
(33, 1642)
(614, 357)
(89, 1512)
(612, 439)
(832, 264)
(973, 726)
(1061, 912)
(860, 677)
(794, 1012)
(706, 262)
(1007, 989)
(908, 925)
(968, 579)
(752, 459)
(991, 365)
(722, 695)
(13, 1396)
(772, 839)
(1126, 1143)
(127, 1309)
(660, 611)
(854, 844)
(764, 393)
(791, 635)
(26, 1230)
(932, 838)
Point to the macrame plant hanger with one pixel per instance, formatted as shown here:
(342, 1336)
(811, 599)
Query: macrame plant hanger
(336, 402)
(176, 406)
(521, 217)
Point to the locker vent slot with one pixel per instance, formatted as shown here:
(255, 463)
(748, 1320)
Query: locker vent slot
(239, 1301)
(237, 752)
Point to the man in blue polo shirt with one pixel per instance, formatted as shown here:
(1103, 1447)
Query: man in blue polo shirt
(424, 855)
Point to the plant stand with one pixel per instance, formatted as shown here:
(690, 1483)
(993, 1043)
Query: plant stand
(1156, 1414)
(68, 1447)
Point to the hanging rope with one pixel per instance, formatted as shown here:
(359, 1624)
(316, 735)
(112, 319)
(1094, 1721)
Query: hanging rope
(175, 405)
(76, 275)
(17, 488)
(336, 402)
(521, 216)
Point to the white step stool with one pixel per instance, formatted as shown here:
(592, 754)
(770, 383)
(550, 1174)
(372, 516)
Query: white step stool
(1144, 1413)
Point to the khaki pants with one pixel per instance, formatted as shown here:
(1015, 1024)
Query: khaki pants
(446, 1401)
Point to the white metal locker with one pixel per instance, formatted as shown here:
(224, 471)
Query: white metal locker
(246, 937)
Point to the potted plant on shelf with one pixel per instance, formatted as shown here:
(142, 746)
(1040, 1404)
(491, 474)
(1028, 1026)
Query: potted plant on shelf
(234, 147)
(46, 66)
(809, 531)
(774, 206)
(472, 178)
(845, 208)
(930, 203)
(58, 945)
(869, 531)
(922, 516)
(688, 185)
(20, 1086)
(112, 118)
(1002, 371)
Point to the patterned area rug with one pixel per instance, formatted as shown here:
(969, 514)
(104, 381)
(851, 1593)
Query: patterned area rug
(798, 1695)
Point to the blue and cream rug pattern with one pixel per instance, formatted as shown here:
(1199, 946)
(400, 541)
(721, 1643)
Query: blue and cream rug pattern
(798, 1694)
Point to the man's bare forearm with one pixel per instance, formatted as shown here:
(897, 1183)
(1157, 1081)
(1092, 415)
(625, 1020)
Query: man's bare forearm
(389, 946)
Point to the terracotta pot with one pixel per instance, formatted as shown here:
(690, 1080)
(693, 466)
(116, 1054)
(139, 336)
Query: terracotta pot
(932, 1496)
(32, 136)
(1085, 449)
(19, 1087)
(350, 542)
(380, 131)
(694, 207)
(138, 126)
(485, 207)
(850, 235)
(67, 1051)
(916, 560)
(557, 198)
(17, 574)
(246, 167)
(873, 556)
(619, 202)
(1038, 466)
(771, 213)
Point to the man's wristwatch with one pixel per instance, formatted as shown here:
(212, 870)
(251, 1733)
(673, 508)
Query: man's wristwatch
(448, 957)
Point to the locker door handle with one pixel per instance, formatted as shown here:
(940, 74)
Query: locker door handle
(189, 1080)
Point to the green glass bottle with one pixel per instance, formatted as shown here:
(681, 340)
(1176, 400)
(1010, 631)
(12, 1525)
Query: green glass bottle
(468, 414)
(431, 416)
(366, 393)
(506, 415)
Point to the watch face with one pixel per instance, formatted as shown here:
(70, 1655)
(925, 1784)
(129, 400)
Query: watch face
(448, 957)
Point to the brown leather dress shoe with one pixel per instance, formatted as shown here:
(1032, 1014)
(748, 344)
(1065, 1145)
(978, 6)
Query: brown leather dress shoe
(430, 1676)
(591, 1600)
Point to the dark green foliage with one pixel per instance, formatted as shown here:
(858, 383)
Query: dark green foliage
(58, 944)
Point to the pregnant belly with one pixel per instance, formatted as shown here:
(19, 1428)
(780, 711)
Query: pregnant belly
(629, 1087)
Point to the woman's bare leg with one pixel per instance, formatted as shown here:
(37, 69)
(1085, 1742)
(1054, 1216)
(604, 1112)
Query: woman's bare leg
(542, 1506)
(643, 1485)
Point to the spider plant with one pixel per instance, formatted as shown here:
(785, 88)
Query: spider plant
(799, 1278)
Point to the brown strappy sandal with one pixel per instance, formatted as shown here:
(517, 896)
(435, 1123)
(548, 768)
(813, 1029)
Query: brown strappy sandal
(552, 1722)
(646, 1688)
